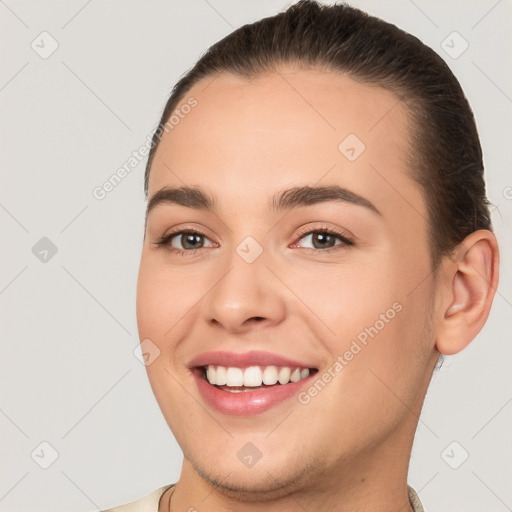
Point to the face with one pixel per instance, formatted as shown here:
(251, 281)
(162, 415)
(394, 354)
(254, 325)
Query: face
(334, 278)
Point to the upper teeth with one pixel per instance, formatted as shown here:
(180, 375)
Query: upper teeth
(253, 376)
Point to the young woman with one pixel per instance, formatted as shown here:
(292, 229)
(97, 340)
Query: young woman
(317, 237)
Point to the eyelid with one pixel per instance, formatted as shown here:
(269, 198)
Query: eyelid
(166, 238)
(346, 237)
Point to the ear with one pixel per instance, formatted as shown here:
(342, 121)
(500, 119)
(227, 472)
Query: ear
(470, 279)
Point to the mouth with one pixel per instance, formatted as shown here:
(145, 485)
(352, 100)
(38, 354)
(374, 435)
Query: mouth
(251, 390)
(242, 380)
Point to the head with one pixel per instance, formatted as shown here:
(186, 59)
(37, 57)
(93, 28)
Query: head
(325, 175)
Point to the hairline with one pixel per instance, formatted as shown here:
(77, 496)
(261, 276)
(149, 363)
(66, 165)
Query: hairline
(411, 106)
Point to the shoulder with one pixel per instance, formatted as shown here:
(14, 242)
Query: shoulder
(148, 503)
(415, 500)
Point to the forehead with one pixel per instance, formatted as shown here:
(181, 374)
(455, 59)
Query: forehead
(287, 127)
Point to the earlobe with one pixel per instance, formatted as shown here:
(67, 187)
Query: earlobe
(471, 284)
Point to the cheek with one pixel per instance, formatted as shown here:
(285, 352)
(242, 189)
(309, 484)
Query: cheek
(165, 303)
(347, 299)
(385, 356)
(164, 299)
(371, 321)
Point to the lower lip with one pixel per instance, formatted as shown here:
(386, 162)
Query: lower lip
(246, 403)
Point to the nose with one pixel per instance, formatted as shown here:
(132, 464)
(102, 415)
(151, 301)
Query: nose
(245, 296)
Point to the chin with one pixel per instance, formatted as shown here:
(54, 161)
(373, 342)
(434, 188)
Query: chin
(260, 483)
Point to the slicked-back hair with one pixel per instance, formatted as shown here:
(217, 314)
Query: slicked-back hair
(445, 156)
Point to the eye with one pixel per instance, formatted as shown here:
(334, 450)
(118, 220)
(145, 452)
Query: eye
(186, 241)
(325, 238)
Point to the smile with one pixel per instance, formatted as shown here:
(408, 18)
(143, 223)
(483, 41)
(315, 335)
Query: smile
(237, 380)
(249, 383)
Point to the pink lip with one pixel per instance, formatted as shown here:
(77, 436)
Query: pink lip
(250, 402)
(245, 359)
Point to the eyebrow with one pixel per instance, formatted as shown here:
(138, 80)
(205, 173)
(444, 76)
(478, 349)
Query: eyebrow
(306, 196)
(296, 197)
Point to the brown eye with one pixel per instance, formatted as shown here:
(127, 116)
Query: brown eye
(185, 242)
(188, 240)
(324, 239)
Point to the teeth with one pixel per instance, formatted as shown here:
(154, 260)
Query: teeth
(210, 374)
(284, 375)
(253, 376)
(220, 376)
(270, 375)
(295, 376)
(234, 377)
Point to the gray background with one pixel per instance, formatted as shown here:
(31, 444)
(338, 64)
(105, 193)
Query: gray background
(68, 373)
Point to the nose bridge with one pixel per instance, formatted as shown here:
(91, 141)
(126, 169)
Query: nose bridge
(245, 289)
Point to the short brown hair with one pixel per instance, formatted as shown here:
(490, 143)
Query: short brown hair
(446, 159)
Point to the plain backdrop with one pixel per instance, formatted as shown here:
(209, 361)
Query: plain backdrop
(69, 376)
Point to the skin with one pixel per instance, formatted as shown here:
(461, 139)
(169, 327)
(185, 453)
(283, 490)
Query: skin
(243, 142)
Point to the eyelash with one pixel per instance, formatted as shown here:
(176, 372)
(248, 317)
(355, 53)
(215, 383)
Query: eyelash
(345, 239)
(164, 242)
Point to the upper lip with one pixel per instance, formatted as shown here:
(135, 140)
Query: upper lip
(244, 359)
